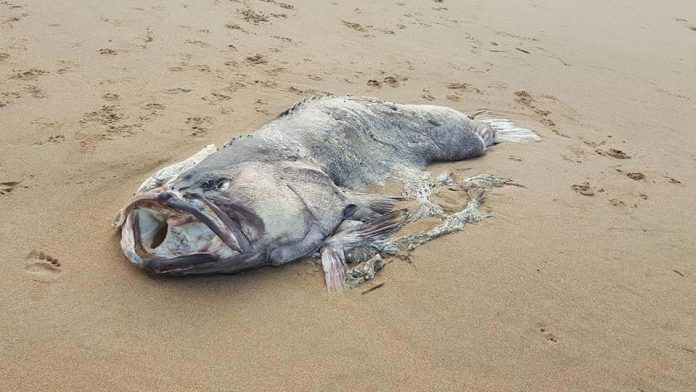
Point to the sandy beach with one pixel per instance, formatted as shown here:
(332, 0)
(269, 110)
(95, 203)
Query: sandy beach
(582, 280)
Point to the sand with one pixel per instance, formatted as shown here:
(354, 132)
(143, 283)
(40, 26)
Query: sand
(583, 280)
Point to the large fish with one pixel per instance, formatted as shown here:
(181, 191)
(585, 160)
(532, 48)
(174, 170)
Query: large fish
(294, 187)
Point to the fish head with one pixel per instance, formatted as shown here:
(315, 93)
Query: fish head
(213, 221)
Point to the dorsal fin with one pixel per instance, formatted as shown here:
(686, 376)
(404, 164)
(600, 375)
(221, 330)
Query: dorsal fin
(292, 109)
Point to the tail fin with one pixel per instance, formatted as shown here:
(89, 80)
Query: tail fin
(503, 130)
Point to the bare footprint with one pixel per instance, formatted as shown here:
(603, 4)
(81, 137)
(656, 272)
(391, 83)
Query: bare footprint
(41, 267)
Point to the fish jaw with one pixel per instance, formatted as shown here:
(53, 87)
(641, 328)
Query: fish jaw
(167, 233)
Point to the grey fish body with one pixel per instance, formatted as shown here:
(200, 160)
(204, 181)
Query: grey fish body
(358, 141)
(293, 187)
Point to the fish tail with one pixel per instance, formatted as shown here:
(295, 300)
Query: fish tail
(499, 130)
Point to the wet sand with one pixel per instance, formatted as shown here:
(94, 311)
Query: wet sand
(582, 280)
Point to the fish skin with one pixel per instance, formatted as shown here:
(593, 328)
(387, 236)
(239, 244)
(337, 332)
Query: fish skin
(294, 187)
(357, 141)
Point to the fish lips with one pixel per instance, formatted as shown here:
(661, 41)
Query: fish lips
(168, 201)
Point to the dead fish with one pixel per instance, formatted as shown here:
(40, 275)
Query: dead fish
(295, 187)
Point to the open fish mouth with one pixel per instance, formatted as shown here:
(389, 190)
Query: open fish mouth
(168, 233)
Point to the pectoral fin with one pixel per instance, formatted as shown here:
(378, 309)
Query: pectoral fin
(333, 259)
(334, 264)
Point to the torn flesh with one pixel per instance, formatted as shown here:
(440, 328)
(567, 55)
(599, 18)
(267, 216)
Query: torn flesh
(369, 243)
(421, 187)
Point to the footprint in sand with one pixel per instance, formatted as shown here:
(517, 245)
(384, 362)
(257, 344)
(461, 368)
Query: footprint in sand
(10, 97)
(153, 110)
(110, 97)
(234, 26)
(427, 95)
(526, 99)
(35, 91)
(199, 125)
(8, 186)
(52, 139)
(216, 98)
(284, 39)
(672, 180)
(197, 42)
(584, 189)
(282, 5)
(177, 90)
(391, 81)
(149, 35)
(394, 81)
(617, 203)
(637, 176)
(461, 86)
(686, 22)
(31, 74)
(614, 153)
(367, 30)
(256, 59)
(252, 16)
(42, 267)
(551, 338)
(14, 11)
(458, 89)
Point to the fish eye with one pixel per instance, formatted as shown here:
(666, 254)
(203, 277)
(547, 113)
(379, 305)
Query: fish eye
(208, 185)
(222, 184)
